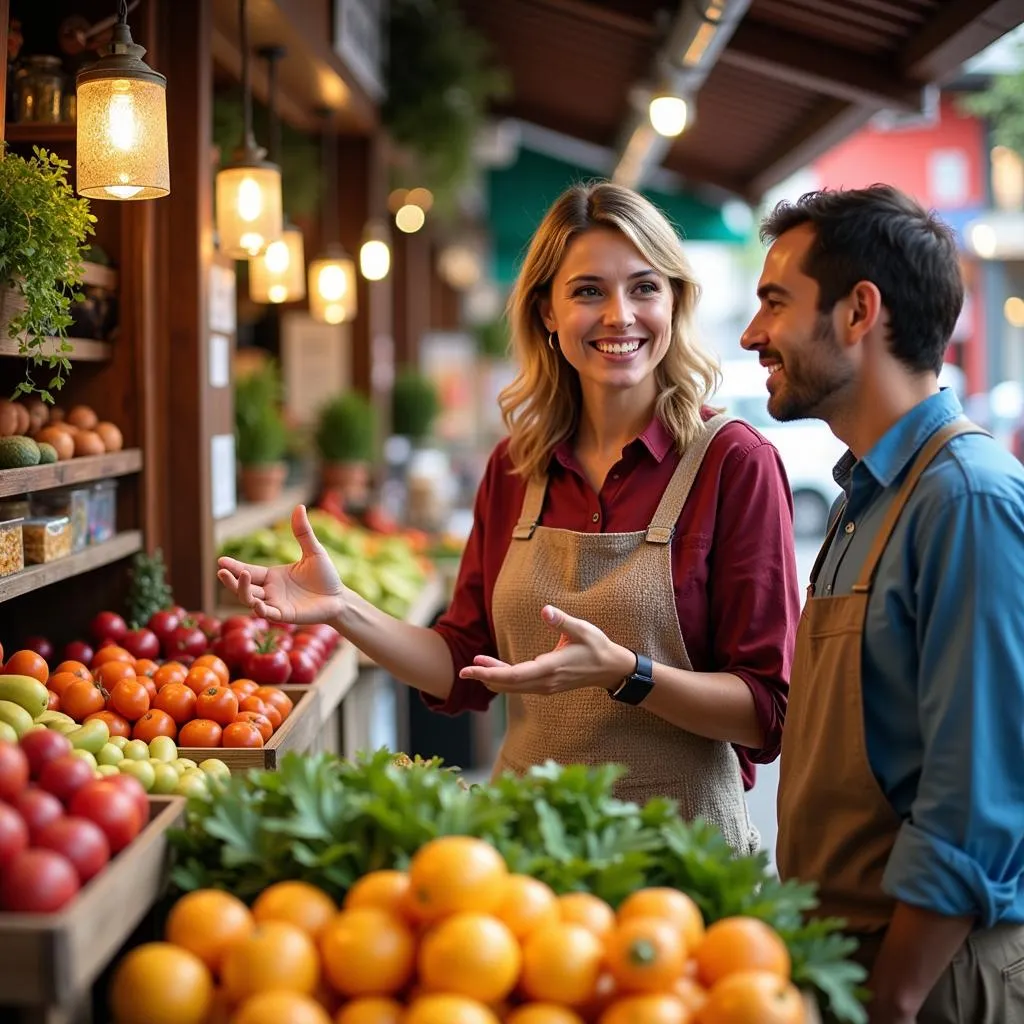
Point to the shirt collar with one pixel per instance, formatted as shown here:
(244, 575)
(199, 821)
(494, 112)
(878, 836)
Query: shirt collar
(655, 438)
(896, 448)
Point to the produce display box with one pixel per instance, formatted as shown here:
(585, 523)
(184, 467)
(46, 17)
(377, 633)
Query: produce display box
(50, 961)
(332, 683)
(298, 732)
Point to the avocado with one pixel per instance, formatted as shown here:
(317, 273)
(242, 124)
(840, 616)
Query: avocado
(18, 452)
(47, 454)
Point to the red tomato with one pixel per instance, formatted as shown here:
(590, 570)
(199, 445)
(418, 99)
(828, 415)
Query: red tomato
(80, 651)
(303, 667)
(13, 835)
(82, 841)
(40, 746)
(233, 648)
(163, 624)
(243, 688)
(328, 634)
(200, 678)
(40, 645)
(152, 724)
(276, 698)
(186, 639)
(178, 700)
(14, 770)
(117, 725)
(130, 785)
(218, 704)
(146, 667)
(141, 643)
(261, 722)
(129, 699)
(82, 699)
(73, 668)
(52, 700)
(242, 734)
(267, 666)
(215, 665)
(200, 732)
(310, 642)
(210, 626)
(112, 809)
(38, 808)
(65, 775)
(38, 882)
(108, 626)
(28, 663)
(261, 707)
(248, 623)
(282, 639)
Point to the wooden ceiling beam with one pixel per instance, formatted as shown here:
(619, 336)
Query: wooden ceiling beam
(599, 16)
(810, 64)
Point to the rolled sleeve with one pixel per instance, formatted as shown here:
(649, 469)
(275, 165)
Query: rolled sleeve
(961, 852)
(755, 590)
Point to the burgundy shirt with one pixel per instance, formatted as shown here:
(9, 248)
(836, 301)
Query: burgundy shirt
(733, 560)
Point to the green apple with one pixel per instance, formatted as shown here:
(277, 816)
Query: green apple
(7, 733)
(110, 754)
(141, 770)
(216, 767)
(184, 764)
(137, 750)
(163, 748)
(106, 770)
(86, 756)
(119, 741)
(165, 778)
(192, 784)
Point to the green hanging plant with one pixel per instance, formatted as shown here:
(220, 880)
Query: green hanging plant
(43, 228)
(440, 82)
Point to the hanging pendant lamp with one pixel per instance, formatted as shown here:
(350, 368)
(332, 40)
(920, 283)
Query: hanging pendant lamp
(121, 150)
(279, 274)
(248, 190)
(332, 275)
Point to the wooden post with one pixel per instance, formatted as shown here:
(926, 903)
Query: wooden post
(5, 14)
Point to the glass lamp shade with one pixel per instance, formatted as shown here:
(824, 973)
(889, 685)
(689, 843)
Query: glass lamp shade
(122, 137)
(374, 259)
(249, 215)
(332, 288)
(279, 274)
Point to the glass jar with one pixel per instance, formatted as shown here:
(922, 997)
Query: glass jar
(41, 90)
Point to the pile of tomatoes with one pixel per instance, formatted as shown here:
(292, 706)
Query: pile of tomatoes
(197, 705)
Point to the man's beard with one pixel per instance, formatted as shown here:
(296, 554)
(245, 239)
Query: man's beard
(812, 381)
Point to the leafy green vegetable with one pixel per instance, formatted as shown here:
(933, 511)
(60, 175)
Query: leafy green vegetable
(329, 822)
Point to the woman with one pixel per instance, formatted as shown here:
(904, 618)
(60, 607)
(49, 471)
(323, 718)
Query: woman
(630, 579)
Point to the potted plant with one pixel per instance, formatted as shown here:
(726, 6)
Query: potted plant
(345, 437)
(41, 250)
(414, 406)
(261, 435)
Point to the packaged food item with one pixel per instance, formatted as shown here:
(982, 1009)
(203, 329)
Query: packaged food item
(14, 508)
(102, 511)
(68, 501)
(12, 554)
(45, 540)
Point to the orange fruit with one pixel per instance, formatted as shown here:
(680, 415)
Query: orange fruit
(198, 679)
(543, 1013)
(561, 964)
(445, 1009)
(470, 955)
(110, 673)
(216, 665)
(367, 952)
(158, 983)
(740, 944)
(169, 672)
(298, 903)
(645, 954)
(280, 1007)
(372, 1010)
(111, 653)
(690, 994)
(274, 955)
(60, 681)
(145, 667)
(583, 908)
(669, 904)
(208, 922)
(28, 663)
(76, 668)
(753, 997)
(386, 890)
(646, 1009)
(527, 904)
(455, 873)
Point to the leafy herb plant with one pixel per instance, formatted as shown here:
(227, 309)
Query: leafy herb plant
(148, 589)
(43, 228)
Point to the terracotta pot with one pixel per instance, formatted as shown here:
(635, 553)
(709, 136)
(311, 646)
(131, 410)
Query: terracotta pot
(346, 476)
(263, 483)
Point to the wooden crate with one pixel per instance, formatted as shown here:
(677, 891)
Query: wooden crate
(50, 961)
(298, 732)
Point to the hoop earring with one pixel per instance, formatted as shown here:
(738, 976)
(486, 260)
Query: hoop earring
(551, 340)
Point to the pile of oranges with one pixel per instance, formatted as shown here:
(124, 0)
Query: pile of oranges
(456, 939)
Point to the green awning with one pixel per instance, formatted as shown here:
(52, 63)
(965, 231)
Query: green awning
(519, 196)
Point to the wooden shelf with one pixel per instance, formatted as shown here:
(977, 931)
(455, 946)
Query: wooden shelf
(72, 471)
(40, 134)
(250, 517)
(35, 576)
(83, 350)
(99, 275)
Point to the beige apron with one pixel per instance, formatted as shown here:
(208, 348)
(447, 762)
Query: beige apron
(836, 826)
(622, 583)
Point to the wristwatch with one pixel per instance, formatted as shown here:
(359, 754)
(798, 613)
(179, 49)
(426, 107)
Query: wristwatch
(635, 688)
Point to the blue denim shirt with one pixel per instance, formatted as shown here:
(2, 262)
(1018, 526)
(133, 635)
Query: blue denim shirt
(943, 661)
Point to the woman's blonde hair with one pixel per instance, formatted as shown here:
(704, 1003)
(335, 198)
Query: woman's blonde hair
(541, 407)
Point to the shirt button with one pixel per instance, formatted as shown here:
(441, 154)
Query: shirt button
(615, 476)
(828, 589)
(596, 516)
(850, 527)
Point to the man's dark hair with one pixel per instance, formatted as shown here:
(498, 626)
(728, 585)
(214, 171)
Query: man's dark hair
(881, 235)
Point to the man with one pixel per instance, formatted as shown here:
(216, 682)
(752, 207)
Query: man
(902, 783)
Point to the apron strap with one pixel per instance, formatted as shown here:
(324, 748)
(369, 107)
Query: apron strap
(533, 502)
(935, 444)
(663, 524)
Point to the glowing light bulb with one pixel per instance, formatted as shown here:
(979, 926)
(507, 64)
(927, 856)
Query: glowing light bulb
(277, 257)
(250, 199)
(122, 123)
(123, 191)
(277, 293)
(331, 284)
(375, 260)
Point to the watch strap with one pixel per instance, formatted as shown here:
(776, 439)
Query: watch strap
(635, 688)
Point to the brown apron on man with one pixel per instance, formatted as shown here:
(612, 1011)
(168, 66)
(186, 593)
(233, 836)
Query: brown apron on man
(836, 826)
(622, 583)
